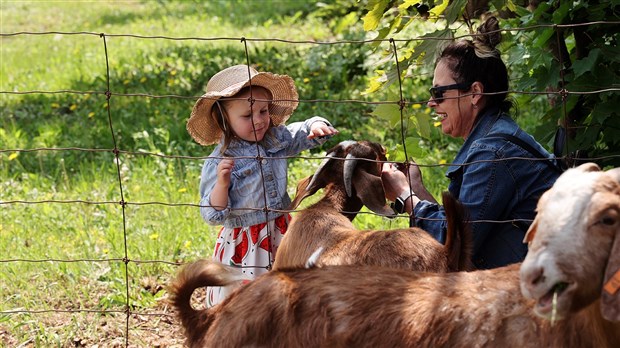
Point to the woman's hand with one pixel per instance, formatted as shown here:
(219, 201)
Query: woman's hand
(394, 181)
(415, 175)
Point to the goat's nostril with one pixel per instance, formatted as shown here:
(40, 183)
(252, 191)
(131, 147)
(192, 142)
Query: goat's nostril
(536, 276)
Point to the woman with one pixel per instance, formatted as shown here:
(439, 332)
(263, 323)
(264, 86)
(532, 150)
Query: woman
(469, 93)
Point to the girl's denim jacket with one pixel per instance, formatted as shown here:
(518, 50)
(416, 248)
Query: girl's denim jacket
(246, 194)
(493, 187)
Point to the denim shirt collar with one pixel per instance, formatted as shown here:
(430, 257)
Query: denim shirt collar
(270, 143)
(485, 122)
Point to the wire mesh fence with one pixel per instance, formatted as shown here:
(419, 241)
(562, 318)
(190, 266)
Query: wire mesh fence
(125, 256)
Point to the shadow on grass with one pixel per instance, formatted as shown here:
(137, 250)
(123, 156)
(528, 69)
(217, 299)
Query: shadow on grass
(163, 88)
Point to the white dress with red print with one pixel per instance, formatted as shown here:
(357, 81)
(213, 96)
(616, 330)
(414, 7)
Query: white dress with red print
(248, 248)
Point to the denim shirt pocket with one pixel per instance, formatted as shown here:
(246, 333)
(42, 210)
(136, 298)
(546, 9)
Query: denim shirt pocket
(245, 178)
(277, 146)
(276, 141)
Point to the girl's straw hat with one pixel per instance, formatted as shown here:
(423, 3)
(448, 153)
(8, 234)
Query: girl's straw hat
(226, 83)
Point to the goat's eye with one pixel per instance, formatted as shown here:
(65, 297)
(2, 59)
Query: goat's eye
(609, 216)
(607, 220)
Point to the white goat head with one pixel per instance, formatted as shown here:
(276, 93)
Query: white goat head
(356, 167)
(574, 252)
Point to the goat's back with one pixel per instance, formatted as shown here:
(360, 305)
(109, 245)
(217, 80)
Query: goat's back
(315, 228)
(367, 306)
(351, 306)
(410, 248)
(318, 227)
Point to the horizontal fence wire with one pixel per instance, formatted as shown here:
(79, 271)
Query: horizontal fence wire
(129, 311)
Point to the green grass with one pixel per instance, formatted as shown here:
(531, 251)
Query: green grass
(69, 256)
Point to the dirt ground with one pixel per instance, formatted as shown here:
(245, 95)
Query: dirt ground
(155, 327)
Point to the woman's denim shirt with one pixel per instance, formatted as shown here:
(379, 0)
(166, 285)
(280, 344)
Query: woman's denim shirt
(493, 188)
(246, 198)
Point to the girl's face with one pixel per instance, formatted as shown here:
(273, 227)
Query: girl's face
(244, 120)
(455, 110)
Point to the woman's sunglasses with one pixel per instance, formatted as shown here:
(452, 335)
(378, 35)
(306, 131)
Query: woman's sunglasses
(437, 91)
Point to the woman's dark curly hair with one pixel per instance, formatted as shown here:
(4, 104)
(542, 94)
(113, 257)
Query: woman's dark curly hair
(478, 60)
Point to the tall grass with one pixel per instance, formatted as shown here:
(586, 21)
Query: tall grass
(71, 256)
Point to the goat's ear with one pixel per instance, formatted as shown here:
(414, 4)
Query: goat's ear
(369, 189)
(610, 298)
(589, 167)
(531, 232)
(302, 192)
(317, 180)
(614, 173)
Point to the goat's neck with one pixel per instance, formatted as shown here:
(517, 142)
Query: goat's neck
(336, 199)
(586, 328)
(591, 320)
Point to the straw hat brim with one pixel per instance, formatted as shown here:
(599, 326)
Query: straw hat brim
(203, 128)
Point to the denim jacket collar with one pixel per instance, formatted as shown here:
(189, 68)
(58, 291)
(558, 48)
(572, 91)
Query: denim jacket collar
(270, 143)
(486, 120)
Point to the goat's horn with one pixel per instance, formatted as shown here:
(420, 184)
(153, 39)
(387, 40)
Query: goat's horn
(324, 162)
(349, 166)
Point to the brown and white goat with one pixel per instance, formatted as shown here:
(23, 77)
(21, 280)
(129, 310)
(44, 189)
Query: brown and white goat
(575, 252)
(351, 176)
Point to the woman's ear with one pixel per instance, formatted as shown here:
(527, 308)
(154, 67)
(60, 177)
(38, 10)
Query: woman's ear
(476, 93)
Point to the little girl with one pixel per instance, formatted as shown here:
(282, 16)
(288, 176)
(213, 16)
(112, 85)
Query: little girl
(247, 170)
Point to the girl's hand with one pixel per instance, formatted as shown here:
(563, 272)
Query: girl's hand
(320, 130)
(219, 195)
(224, 170)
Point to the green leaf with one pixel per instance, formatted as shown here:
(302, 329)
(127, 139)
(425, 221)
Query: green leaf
(374, 84)
(427, 50)
(454, 10)
(586, 64)
(602, 111)
(439, 9)
(408, 3)
(373, 17)
(388, 112)
(423, 121)
(413, 148)
(611, 53)
(346, 22)
(547, 76)
(525, 83)
(381, 34)
(511, 6)
(516, 55)
(606, 76)
(560, 14)
(542, 38)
